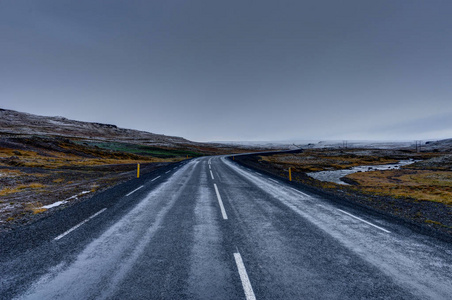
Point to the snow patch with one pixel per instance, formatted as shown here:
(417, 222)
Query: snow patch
(58, 123)
(65, 201)
(54, 204)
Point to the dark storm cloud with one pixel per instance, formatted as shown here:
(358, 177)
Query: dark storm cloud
(232, 70)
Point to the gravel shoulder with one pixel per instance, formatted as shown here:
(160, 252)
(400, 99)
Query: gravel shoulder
(37, 193)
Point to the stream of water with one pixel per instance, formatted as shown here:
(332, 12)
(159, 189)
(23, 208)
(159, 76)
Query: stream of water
(336, 175)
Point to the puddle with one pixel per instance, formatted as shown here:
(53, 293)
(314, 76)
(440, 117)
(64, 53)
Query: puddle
(336, 175)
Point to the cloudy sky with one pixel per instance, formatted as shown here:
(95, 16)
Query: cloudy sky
(234, 70)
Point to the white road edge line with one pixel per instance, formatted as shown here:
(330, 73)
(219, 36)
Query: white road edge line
(134, 190)
(247, 288)
(301, 193)
(273, 180)
(209, 167)
(211, 174)
(223, 211)
(155, 178)
(79, 224)
(387, 231)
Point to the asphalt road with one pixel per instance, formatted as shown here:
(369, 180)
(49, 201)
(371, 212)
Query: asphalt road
(210, 229)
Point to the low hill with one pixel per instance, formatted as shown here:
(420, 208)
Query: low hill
(49, 163)
(14, 122)
(439, 146)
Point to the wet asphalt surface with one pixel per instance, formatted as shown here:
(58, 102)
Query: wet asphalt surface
(210, 229)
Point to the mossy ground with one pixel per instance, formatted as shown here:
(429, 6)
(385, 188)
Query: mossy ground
(409, 182)
(40, 170)
(420, 193)
(421, 185)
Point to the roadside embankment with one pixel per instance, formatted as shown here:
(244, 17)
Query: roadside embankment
(416, 195)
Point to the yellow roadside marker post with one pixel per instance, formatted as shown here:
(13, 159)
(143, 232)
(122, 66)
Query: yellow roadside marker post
(138, 170)
(233, 158)
(290, 174)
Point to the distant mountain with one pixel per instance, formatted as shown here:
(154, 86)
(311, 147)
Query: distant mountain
(14, 122)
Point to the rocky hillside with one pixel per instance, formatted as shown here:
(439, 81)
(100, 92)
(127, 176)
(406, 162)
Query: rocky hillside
(440, 146)
(14, 122)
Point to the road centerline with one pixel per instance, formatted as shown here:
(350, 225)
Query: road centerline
(155, 178)
(223, 211)
(211, 174)
(247, 288)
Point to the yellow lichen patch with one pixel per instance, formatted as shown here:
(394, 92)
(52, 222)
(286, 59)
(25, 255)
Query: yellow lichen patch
(20, 187)
(35, 208)
(74, 161)
(74, 155)
(16, 173)
(39, 210)
(433, 222)
(7, 191)
(421, 185)
(10, 173)
(35, 185)
(94, 188)
(6, 152)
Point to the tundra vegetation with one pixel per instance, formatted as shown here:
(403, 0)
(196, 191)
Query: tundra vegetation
(420, 192)
(45, 161)
(39, 170)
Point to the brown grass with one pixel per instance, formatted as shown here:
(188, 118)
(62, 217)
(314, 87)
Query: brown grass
(10, 173)
(318, 160)
(71, 161)
(20, 187)
(94, 188)
(55, 160)
(35, 207)
(422, 185)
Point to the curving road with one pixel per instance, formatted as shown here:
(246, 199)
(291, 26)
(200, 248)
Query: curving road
(210, 229)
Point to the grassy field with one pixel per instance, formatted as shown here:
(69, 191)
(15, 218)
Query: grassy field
(420, 181)
(420, 193)
(421, 185)
(142, 150)
(51, 153)
(55, 160)
(39, 170)
(322, 160)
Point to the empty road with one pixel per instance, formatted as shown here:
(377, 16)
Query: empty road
(211, 229)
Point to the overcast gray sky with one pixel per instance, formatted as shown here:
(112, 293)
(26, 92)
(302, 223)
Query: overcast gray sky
(234, 70)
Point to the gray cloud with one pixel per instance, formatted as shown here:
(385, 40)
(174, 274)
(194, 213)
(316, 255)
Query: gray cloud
(233, 70)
